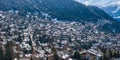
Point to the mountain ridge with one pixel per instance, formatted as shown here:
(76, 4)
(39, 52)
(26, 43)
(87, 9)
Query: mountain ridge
(62, 10)
(111, 7)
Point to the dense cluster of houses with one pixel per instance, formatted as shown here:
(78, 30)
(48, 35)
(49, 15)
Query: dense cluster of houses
(36, 38)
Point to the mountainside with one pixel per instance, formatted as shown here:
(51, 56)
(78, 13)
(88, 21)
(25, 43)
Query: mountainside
(112, 7)
(113, 10)
(60, 9)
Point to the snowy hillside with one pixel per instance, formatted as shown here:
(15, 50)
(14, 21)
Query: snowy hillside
(112, 7)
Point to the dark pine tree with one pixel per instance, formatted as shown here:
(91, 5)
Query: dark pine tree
(56, 57)
(31, 58)
(1, 53)
(9, 52)
(77, 56)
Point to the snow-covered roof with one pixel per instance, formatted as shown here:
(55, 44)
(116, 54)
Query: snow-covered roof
(92, 51)
(97, 53)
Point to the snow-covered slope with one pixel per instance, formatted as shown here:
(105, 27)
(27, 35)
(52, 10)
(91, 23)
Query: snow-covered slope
(93, 2)
(112, 7)
(100, 3)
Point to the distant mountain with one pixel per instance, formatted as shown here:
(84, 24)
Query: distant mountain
(99, 3)
(112, 7)
(60, 9)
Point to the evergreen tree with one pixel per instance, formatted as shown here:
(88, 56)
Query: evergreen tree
(77, 56)
(117, 54)
(9, 51)
(56, 57)
(53, 49)
(47, 58)
(105, 57)
(1, 53)
(31, 58)
(111, 55)
(19, 38)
